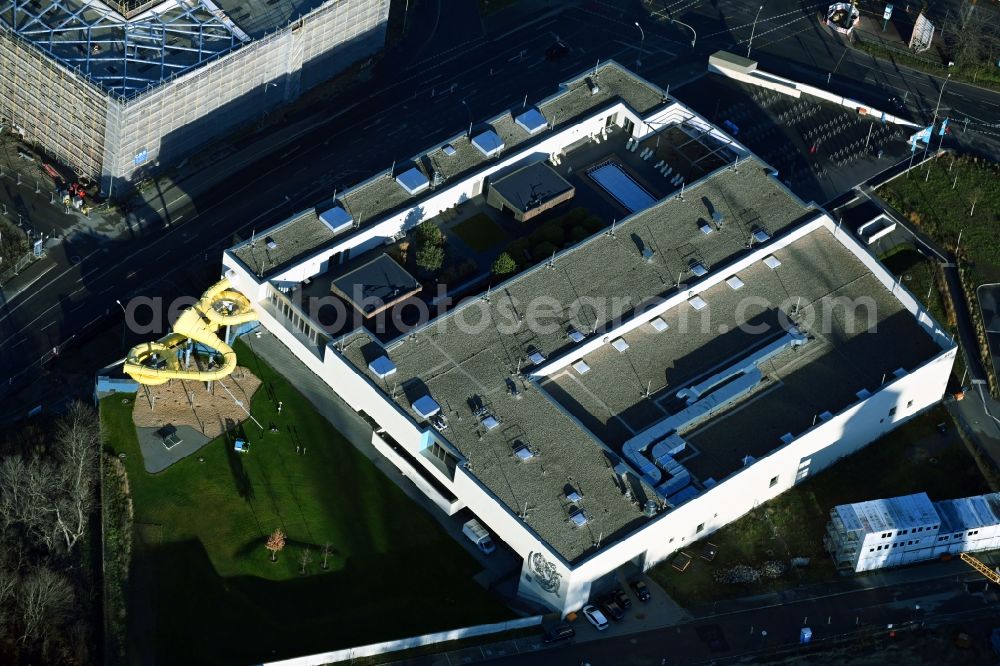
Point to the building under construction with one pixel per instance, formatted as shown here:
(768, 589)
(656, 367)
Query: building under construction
(902, 530)
(114, 88)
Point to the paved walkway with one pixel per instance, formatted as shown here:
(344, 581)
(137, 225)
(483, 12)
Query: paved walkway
(156, 457)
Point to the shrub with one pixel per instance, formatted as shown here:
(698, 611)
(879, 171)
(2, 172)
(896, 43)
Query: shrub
(544, 250)
(518, 251)
(430, 257)
(593, 224)
(504, 264)
(429, 234)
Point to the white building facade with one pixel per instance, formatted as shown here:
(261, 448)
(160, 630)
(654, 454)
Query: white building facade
(548, 577)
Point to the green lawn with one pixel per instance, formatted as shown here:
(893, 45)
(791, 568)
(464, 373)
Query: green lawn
(913, 458)
(941, 207)
(200, 564)
(480, 232)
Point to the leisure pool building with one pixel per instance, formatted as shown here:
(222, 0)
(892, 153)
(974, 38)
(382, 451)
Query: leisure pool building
(713, 343)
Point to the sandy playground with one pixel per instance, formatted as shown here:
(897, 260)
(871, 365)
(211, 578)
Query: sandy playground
(189, 403)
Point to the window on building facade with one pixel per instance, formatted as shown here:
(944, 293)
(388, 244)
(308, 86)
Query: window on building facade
(909, 403)
(774, 482)
(892, 412)
(699, 528)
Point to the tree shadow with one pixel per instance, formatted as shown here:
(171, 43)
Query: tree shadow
(244, 486)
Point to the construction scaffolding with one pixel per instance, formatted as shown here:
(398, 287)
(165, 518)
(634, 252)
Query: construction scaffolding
(115, 89)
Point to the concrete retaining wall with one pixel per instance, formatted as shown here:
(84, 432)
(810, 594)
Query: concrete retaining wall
(407, 643)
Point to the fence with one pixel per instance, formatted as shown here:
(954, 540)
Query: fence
(22, 263)
(407, 643)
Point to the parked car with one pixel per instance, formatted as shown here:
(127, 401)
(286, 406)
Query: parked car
(595, 617)
(640, 590)
(612, 609)
(622, 598)
(559, 632)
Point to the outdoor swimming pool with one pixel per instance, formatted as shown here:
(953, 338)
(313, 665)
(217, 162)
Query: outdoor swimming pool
(620, 185)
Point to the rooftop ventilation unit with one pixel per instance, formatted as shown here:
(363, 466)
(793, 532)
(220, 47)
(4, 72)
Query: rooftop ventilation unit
(271, 244)
(619, 344)
(574, 496)
(413, 181)
(382, 367)
(536, 357)
(488, 143)
(337, 219)
(698, 303)
(650, 508)
(448, 149)
(717, 219)
(578, 517)
(658, 324)
(771, 261)
(523, 452)
(706, 228)
(581, 366)
(734, 283)
(426, 407)
(574, 335)
(699, 269)
(531, 121)
(490, 422)
(761, 236)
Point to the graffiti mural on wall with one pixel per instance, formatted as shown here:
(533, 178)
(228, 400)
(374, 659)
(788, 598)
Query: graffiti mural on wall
(544, 572)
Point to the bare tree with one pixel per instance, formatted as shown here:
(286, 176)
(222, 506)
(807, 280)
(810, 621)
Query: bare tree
(78, 436)
(52, 497)
(327, 549)
(275, 543)
(9, 580)
(44, 600)
(304, 559)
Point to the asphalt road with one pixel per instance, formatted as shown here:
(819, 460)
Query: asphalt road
(66, 321)
(764, 629)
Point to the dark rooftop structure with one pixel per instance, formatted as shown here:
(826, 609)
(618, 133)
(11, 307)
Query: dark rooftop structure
(530, 190)
(375, 285)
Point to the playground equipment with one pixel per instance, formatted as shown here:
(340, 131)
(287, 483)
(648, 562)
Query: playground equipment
(170, 357)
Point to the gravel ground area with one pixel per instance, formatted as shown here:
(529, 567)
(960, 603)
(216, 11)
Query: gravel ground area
(188, 403)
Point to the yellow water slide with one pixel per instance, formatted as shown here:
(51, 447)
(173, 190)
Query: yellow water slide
(159, 362)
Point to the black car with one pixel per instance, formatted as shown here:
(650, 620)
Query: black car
(559, 632)
(612, 609)
(641, 591)
(557, 51)
(618, 594)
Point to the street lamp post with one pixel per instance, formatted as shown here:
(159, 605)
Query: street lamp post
(263, 112)
(469, 111)
(694, 35)
(837, 66)
(753, 29)
(642, 43)
(124, 320)
(937, 107)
